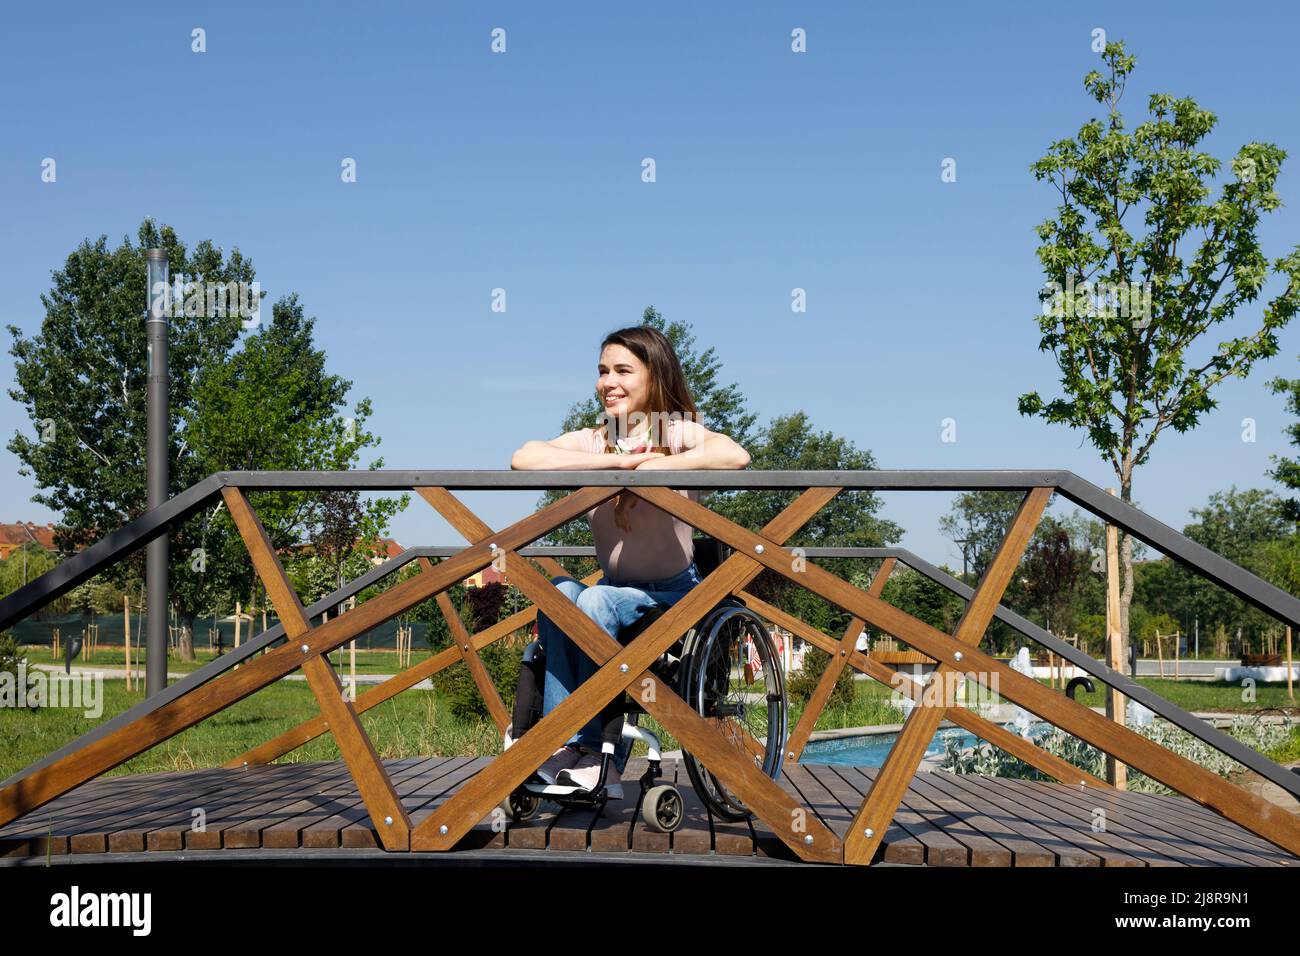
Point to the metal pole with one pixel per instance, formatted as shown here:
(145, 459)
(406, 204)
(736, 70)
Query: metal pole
(158, 440)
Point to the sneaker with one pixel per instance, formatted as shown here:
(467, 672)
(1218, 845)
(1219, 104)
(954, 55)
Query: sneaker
(561, 760)
(586, 774)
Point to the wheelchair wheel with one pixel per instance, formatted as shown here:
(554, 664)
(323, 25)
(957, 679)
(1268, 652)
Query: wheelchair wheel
(719, 680)
(662, 808)
(522, 806)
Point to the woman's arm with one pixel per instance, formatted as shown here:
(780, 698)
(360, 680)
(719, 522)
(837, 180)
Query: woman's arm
(567, 453)
(702, 448)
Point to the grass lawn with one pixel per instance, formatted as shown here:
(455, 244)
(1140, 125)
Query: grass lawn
(368, 662)
(414, 723)
(1201, 695)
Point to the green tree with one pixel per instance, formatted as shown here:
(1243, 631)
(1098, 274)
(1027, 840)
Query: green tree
(977, 524)
(1287, 470)
(1245, 527)
(269, 405)
(1194, 261)
(27, 563)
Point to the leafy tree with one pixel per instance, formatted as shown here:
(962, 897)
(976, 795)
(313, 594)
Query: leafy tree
(27, 563)
(977, 523)
(1244, 527)
(1287, 470)
(1052, 569)
(83, 381)
(1136, 215)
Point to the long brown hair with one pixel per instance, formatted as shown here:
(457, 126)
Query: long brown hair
(668, 393)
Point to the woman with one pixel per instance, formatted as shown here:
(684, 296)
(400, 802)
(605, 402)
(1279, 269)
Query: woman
(650, 423)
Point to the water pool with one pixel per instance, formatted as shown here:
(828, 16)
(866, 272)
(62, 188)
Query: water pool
(870, 750)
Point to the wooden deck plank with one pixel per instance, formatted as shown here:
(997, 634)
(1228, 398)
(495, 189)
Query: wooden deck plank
(944, 819)
(940, 848)
(899, 846)
(286, 832)
(413, 790)
(695, 835)
(1206, 825)
(611, 831)
(171, 813)
(1022, 815)
(1076, 810)
(244, 802)
(1217, 823)
(1025, 851)
(1163, 829)
(808, 794)
(990, 844)
(45, 830)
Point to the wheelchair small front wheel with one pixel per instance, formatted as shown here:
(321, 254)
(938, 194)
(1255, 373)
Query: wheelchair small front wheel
(662, 808)
(522, 806)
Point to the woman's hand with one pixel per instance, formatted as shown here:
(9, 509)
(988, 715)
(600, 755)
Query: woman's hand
(636, 460)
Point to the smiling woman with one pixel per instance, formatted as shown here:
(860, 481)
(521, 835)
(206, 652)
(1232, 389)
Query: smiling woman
(650, 421)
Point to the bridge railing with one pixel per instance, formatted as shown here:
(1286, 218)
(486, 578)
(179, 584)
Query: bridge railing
(294, 643)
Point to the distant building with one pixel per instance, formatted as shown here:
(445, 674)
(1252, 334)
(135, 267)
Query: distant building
(380, 551)
(488, 575)
(14, 536)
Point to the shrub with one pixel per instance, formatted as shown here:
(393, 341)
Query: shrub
(803, 682)
(10, 656)
(988, 761)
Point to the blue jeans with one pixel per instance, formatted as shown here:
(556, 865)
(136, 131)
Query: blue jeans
(614, 606)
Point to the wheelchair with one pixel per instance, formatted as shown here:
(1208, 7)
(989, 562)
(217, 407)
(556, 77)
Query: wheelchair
(726, 668)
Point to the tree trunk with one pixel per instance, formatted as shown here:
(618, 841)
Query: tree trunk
(1125, 559)
(185, 645)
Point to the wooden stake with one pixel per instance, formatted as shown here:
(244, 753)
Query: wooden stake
(1116, 772)
(352, 671)
(1290, 689)
(126, 639)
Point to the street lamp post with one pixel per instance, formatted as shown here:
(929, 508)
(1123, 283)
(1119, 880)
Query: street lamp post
(156, 455)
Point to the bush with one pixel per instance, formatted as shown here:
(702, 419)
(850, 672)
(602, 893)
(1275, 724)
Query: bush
(456, 683)
(804, 681)
(10, 656)
(985, 760)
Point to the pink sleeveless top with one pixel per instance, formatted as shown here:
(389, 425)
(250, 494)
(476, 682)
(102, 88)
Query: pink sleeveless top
(658, 545)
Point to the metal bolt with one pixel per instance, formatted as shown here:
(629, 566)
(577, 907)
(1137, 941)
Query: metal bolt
(957, 656)
(388, 820)
(790, 754)
(623, 668)
(246, 764)
(843, 652)
(492, 546)
(758, 549)
(466, 646)
(305, 648)
(808, 839)
(868, 833)
(443, 829)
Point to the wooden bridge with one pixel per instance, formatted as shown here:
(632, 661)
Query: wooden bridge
(812, 813)
(312, 810)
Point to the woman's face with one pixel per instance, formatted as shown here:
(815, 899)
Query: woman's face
(624, 383)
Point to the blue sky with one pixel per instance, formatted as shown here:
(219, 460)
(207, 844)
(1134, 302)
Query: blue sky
(522, 171)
